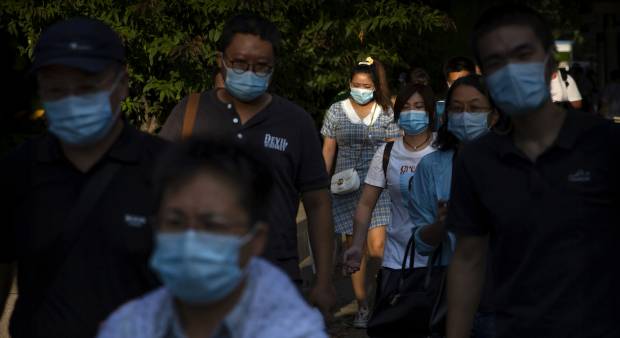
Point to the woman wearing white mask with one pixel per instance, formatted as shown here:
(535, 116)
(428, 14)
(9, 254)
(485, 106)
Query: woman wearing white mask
(470, 114)
(355, 128)
(210, 231)
(415, 112)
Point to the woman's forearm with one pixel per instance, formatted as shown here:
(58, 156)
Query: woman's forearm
(363, 213)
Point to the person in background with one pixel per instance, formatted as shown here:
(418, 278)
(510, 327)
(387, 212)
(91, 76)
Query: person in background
(586, 87)
(542, 197)
(454, 69)
(419, 75)
(414, 111)
(609, 105)
(458, 67)
(470, 115)
(245, 111)
(564, 90)
(75, 200)
(211, 229)
(355, 128)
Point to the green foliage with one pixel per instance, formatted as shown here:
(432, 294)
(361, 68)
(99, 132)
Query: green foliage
(172, 43)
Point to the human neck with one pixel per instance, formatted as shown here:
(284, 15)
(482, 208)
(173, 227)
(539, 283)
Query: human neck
(246, 110)
(85, 157)
(538, 130)
(417, 142)
(199, 321)
(362, 110)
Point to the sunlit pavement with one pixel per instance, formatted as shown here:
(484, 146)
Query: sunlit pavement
(10, 302)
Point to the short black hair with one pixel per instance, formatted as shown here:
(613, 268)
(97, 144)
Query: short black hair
(241, 168)
(511, 14)
(445, 139)
(419, 75)
(459, 64)
(427, 94)
(249, 23)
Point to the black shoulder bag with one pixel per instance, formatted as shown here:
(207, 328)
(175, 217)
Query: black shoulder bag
(406, 311)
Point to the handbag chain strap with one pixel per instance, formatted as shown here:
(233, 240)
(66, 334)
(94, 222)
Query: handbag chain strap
(366, 136)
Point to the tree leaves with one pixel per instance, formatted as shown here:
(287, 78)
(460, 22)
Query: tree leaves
(172, 44)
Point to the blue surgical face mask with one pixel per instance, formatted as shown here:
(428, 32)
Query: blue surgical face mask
(362, 95)
(199, 267)
(82, 119)
(413, 122)
(246, 86)
(519, 88)
(468, 126)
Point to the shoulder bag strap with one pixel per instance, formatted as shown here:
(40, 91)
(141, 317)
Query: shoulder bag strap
(189, 119)
(387, 152)
(75, 224)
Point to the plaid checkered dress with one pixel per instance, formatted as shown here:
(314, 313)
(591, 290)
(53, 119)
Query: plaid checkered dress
(357, 143)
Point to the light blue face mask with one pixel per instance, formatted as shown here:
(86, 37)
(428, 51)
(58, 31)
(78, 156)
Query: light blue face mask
(362, 95)
(413, 122)
(468, 126)
(199, 267)
(246, 86)
(82, 119)
(519, 88)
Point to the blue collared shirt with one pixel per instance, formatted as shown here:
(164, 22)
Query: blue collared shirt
(269, 307)
(431, 184)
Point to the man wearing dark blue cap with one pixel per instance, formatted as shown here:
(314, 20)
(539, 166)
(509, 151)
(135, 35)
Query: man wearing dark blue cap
(75, 201)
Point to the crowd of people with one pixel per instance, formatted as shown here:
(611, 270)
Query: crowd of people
(491, 211)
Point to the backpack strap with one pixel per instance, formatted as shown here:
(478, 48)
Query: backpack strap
(386, 156)
(564, 75)
(189, 119)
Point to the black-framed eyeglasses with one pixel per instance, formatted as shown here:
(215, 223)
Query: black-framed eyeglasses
(240, 67)
(471, 109)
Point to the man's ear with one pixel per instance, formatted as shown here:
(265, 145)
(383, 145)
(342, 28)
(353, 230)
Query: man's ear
(220, 61)
(257, 245)
(124, 83)
(493, 118)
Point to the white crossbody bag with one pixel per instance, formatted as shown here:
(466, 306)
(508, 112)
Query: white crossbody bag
(348, 181)
(345, 182)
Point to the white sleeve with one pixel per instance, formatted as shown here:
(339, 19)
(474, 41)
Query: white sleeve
(376, 176)
(573, 90)
(556, 89)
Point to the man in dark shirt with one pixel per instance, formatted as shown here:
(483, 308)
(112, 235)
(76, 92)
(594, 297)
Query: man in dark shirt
(544, 197)
(245, 112)
(73, 271)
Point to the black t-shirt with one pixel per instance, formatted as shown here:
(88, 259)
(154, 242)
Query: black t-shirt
(286, 134)
(554, 228)
(109, 264)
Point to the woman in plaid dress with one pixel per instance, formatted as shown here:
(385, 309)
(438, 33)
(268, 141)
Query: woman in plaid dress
(355, 128)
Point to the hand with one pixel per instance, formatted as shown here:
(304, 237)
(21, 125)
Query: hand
(323, 296)
(442, 212)
(352, 259)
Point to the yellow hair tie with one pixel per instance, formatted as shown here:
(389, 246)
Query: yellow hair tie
(369, 61)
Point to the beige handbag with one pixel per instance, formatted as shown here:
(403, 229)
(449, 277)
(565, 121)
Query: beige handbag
(345, 182)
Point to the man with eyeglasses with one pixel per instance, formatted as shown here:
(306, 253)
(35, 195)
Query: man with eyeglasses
(243, 111)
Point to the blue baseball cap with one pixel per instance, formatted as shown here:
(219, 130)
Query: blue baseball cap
(83, 43)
